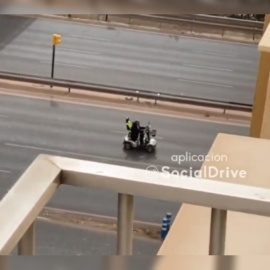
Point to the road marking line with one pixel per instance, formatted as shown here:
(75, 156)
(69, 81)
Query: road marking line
(73, 153)
(65, 64)
(4, 171)
(77, 51)
(122, 132)
(198, 119)
(143, 164)
(215, 53)
(86, 37)
(211, 68)
(47, 149)
(206, 83)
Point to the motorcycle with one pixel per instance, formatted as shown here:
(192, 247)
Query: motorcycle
(149, 140)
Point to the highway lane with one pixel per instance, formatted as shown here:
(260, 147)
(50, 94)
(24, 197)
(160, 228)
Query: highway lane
(31, 127)
(178, 65)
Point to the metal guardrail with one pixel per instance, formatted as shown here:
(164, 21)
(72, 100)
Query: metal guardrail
(224, 23)
(218, 24)
(215, 19)
(127, 92)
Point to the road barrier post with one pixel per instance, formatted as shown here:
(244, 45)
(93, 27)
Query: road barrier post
(138, 99)
(56, 41)
(164, 229)
(53, 59)
(169, 217)
(158, 94)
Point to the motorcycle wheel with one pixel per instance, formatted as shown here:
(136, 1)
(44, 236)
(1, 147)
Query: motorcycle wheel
(127, 146)
(150, 149)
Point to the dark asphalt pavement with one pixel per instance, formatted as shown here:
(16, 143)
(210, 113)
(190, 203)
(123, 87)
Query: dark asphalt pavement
(30, 127)
(118, 57)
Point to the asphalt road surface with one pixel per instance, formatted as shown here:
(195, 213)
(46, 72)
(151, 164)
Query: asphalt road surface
(82, 242)
(169, 64)
(30, 127)
(79, 262)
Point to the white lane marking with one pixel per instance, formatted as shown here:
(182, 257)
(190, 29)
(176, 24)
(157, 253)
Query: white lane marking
(198, 119)
(211, 68)
(78, 51)
(206, 83)
(144, 164)
(215, 53)
(46, 149)
(4, 171)
(67, 65)
(124, 133)
(88, 37)
(72, 153)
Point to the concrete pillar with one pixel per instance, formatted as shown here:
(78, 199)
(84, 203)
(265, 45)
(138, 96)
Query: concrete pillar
(261, 115)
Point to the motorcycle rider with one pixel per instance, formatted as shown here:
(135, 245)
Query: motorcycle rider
(142, 130)
(128, 124)
(137, 131)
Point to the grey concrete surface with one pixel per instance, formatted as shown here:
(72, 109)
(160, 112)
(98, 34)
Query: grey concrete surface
(30, 127)
(118, 57)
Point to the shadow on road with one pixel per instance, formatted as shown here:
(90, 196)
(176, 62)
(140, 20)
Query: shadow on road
(11, 27)
(138, 155)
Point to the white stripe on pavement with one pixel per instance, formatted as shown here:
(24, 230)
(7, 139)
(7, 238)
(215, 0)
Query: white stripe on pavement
(145, 165)
(210, 68)
(206, 83)
(216, 53)
(66, 64)
(4, 171)
(88, 37)
(77, 51)
(78, 154)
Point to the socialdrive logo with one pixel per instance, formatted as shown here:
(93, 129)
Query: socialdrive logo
(151, 171)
